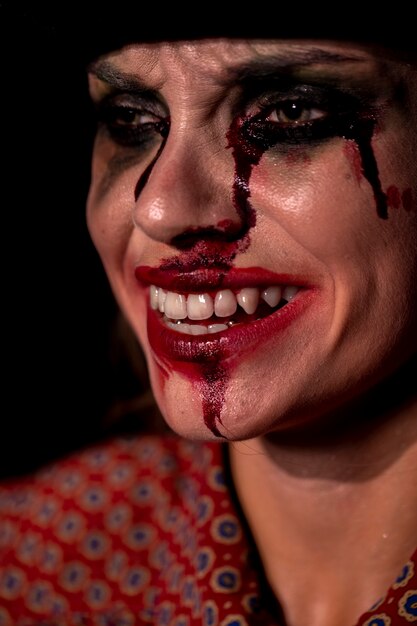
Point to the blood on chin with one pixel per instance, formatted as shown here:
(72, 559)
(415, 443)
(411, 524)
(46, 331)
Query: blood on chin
(197, 403)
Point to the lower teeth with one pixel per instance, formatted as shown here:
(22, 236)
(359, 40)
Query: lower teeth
(197, 329)
(200, 329)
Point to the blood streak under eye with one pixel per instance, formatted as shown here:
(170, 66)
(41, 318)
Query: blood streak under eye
(214, 378)
(362, 135)
(214, 374)
(210, 247)
(213, 247)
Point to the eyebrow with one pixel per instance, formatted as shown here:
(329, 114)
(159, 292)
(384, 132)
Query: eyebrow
(124, 81)
(263, 68)
(286, 63)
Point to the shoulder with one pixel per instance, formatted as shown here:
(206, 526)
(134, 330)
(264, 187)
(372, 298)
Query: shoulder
(131, 466)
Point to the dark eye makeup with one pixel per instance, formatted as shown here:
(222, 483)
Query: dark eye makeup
(132, 123)
(277, 113)
(306, 114)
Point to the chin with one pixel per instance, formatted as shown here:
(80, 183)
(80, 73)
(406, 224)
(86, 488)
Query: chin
(200, 412)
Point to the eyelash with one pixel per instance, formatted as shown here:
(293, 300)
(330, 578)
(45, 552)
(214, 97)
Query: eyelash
(119, 121)
(323, 114)
(291, 109)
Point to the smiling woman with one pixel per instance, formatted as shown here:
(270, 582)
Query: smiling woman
(254, 204)
(269, 236)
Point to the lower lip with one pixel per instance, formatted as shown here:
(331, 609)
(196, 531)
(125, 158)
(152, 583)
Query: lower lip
(174, 346)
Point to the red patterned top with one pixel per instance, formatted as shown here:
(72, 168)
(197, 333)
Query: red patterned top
(142, 531)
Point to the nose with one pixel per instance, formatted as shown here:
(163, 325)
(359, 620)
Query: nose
(186, 193)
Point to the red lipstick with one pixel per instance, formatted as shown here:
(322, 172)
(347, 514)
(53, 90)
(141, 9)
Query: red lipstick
(205, 264)
(174, 346)
(208, 360)
(180, 279)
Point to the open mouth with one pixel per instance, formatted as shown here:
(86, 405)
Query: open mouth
(217, 311)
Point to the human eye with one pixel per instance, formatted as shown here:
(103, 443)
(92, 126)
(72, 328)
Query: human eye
(302, 115)
(294, 112)
(132, 124)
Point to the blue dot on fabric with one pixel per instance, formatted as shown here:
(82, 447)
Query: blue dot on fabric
(11, 582)
(404, 574)
(227, 580)
(411, 605)
(135, 579)
(219, 478)
(228, 529)
(209, 616)
(202, 561)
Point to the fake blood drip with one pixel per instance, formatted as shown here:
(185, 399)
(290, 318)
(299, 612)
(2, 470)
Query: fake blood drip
(362, 134)
(212, 386)
(214, 375)
(218, 246)
(246, 155)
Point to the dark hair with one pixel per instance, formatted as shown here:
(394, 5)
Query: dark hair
(101, 27)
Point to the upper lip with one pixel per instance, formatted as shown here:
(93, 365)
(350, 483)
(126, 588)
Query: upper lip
(209, 279)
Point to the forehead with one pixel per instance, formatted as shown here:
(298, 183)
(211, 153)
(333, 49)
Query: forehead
(220, 59)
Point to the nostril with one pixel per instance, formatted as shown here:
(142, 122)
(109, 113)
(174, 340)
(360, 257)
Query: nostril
(226, 231)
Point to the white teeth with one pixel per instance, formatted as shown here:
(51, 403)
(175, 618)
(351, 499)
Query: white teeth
(225, 303)
(200, 306)
(154, 297)
(175, 306)
(248, 299)
(182, 328)
(216, 328)
(198, 329)
(272, 295)
(289, 293)
(161, 299)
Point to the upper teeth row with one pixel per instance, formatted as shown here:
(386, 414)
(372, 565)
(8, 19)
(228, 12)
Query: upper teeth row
(201, 306)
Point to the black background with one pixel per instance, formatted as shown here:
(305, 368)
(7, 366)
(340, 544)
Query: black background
(57, 308)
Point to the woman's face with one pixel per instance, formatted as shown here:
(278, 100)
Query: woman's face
(255, 208)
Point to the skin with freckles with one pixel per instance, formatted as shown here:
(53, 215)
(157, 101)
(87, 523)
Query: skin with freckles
(297, 158)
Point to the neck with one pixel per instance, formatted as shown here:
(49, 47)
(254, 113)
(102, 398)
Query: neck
(338, 517)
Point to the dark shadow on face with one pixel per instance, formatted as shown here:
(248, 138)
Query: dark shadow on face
(361, 422)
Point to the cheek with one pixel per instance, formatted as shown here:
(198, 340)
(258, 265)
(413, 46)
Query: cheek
(316, 197)
(323, 200)
(111, 201)
(109, 210)
(322, 203)
(399, 171)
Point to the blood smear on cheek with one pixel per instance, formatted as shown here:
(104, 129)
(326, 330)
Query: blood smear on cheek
(393, 197)
(214, 376)
(352, 153)
(210, 378)
(396, 199)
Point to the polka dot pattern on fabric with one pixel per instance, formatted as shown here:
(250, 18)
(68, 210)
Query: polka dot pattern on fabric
(136, 532)
(378, 620)
(408, 605)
